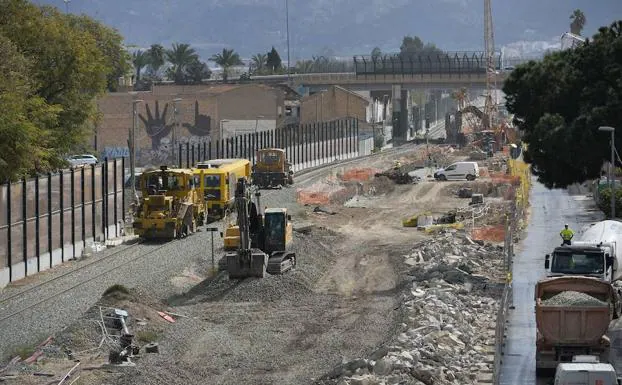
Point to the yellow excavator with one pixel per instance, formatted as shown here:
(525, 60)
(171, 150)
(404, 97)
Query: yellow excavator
(264, 238)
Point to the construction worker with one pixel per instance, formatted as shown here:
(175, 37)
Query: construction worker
(566, 235)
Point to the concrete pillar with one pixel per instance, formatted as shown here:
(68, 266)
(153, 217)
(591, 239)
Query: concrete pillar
(396, 98)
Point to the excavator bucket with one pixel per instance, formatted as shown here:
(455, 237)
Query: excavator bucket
(245, 265)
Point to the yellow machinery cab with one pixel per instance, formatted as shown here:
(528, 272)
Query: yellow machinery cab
(216, 181)
(171, 205)
(272, 169)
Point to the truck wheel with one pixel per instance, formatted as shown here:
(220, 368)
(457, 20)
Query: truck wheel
(470, 177)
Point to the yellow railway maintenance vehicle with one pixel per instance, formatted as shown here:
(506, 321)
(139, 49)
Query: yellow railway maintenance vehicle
(272, 169)
(217, 181)
(171, 205)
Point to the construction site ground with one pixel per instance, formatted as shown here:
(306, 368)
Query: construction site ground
(341, 302)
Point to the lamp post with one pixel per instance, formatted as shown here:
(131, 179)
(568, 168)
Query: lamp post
(174, 133)
(133, 147)
(67, 5)
(611, 168)
(287, 33)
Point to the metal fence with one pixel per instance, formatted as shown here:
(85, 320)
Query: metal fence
(305, 144)
(441, 63)
(514, 225)
(47, 220)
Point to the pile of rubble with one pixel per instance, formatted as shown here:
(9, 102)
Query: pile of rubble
(449, 318)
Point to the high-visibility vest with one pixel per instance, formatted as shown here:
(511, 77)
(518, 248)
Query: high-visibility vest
(566, 234)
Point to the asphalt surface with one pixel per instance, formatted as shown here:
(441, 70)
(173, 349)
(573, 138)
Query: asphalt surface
(550, 210)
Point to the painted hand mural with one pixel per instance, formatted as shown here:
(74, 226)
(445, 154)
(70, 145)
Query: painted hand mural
(202, 123)
(156, 125)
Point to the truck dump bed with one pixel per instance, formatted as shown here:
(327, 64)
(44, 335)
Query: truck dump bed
(561, 324)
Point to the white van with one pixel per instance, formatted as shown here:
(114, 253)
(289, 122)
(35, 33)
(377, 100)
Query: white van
(458, 170)
(585, 370)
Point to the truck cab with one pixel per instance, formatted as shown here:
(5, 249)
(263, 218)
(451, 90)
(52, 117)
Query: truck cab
(585, 370)
(581, 259)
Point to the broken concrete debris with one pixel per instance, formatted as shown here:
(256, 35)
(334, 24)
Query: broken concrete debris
(448, 332)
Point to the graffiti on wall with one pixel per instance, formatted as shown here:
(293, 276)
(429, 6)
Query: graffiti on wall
(159, 126)
(115, 152)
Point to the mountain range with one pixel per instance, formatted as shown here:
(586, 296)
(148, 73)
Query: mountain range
(342, 27)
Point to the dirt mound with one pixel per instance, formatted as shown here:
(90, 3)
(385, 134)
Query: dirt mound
(489, 233)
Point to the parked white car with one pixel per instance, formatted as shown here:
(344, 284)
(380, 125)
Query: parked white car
(457, 171)
(82, 160)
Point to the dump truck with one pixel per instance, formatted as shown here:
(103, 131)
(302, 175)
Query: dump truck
(263, 239)
(170, 205)
(568, 328)
(272, 169)
(597, 253)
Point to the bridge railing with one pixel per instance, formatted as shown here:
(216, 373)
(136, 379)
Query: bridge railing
(418, 64)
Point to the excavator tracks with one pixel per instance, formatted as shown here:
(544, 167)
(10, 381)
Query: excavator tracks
(281, 262)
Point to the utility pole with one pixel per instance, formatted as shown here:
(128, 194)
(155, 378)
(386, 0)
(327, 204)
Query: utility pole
(612, 165)
(67, 5)
(287, 33)
(133, 148)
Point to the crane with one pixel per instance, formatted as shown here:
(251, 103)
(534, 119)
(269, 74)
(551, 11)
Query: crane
(490, 105)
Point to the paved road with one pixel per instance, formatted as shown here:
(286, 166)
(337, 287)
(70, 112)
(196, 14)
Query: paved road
(550, 209)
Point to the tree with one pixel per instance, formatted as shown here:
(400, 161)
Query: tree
(180, 56)
(376, 53)
(559, 104)
(578, 22)
(273, 60)
(258, 63)
(156, 55)
(68, 71)
(197, 71)
(24, 117)
(413, 46)
(226, 59)
(140, 59)
(110, 43)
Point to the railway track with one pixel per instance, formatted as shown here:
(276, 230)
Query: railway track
(303, 177)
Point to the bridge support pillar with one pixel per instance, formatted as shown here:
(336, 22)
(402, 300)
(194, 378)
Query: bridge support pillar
(399, 119)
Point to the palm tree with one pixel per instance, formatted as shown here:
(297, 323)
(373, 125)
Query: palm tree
(180, 56)
(140, 59)
(578, 22)
(226, 59)
(258, 63)
(156, 57)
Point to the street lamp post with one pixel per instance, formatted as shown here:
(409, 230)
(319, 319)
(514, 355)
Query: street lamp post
(133, 148)
(611, 168)
(67, 5)
(174, 130)
(287, 33)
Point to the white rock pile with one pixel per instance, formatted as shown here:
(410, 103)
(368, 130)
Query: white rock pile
(573, 298)
(449, 318)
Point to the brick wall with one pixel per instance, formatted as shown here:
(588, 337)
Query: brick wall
(335, 103)
(199, 114)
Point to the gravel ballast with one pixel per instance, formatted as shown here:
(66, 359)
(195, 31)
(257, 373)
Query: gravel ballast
(573, 298)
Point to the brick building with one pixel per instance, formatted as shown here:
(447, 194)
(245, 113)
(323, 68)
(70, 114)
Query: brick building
(203, 111)
(335, 103)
